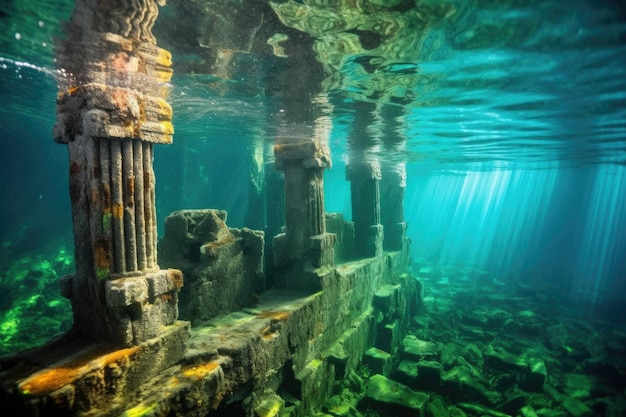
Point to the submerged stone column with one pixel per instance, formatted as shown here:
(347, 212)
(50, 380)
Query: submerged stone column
(302, 154)
(363, 172)
(393, 171)
(364, 177)
(393, 186)
(110, 115)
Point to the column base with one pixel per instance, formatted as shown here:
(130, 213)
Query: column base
(322, 250)
(302, 272)
(395, 236)
(143, 305)
(368, 242)
(126, 311)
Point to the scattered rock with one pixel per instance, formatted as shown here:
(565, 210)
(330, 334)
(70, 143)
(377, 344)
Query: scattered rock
(406, 373)
(537, 374)
(481, 410)
(435, 408)
(557, 336)
(416, 349)
(504, 361)
(574, 407)
(428, 375)
(578, 386)
(389, 394)
(378, 361)
(461, 385)
(528, 411)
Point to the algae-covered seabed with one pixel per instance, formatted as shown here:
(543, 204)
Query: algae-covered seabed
(482, 347)
(32, 309)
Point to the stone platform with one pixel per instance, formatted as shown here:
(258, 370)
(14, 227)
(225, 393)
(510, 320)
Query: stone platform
(281, 357)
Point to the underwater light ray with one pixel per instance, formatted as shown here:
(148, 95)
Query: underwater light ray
(601, 244)
(516, 201)
(528, 196)
(497, 185)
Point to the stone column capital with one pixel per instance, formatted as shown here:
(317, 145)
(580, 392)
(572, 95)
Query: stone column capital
(309, 154)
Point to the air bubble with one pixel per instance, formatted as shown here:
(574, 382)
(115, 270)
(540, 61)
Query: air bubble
(18, 36)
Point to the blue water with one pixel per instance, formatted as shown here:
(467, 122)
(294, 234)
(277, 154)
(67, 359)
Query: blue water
(515, 144)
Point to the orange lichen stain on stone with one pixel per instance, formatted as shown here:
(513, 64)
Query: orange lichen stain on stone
(210, 247)
(95, 194)
(51, 379)
(279, 315)
(106, 198)
(102, 252)
(176, 277)
(268, 332)
(198, 372)
(167, 297)
(70, 92)
(117, 210)
(130, 191)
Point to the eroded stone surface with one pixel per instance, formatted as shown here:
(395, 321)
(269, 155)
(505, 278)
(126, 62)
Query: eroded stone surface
(381, 390)
(223, 266)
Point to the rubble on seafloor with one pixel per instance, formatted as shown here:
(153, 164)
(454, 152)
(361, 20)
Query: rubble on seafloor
(489, 348)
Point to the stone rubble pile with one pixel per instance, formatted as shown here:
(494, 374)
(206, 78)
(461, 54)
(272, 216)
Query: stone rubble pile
(487, 348)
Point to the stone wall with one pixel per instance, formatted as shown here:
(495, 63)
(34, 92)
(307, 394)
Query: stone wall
(223, 266)
(285, 353)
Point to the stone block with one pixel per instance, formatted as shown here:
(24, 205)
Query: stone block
(164, 281)
(321, 250)
(436, 408)
(395, 398)
(270, 405)
(387, 300)
(574, 407)
(528, 411)
(416, 349)
(378, 361)
(387, 337)
(406, 373)
(344, 232)
(123, 292)
(536, 376)
(462, 385)
(504, 361)
(428, 374)
(395, 236)
(223, 266)
(296, 151)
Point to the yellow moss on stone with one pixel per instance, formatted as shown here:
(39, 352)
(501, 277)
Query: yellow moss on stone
(198, 372)
(53, 378)
(140, 410)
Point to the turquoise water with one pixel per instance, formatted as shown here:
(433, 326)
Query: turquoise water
(512, 117)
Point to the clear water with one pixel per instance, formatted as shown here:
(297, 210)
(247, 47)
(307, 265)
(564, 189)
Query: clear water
(515, 125)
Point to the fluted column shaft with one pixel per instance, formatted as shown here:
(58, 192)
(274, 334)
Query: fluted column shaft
(110, 113)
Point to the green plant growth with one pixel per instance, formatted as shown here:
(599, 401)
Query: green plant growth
(32, 309)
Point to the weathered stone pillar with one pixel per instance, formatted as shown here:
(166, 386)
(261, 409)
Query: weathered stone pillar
(363, 172)
(393, 171)
(110, 115)
(393, 186)
(302, 154)
(364, 177)
(305, 239)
